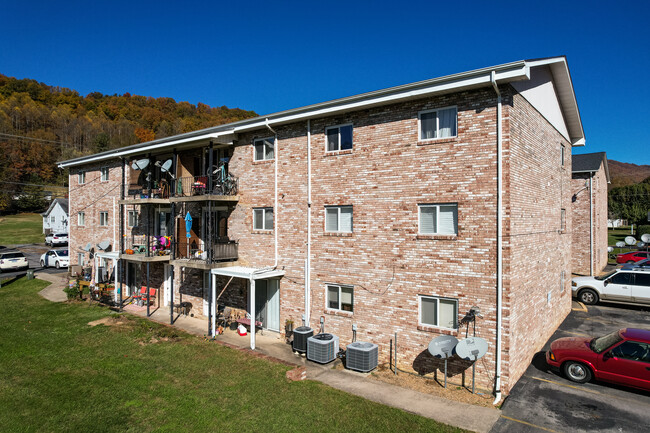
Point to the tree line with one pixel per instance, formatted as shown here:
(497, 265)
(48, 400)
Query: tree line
(42, 124)
(631, 202)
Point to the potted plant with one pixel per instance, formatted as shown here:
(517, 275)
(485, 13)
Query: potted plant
(288, 326)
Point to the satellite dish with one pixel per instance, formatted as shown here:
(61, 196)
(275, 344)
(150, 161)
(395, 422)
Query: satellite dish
(610, 249)
(620, 244)
(630, 240)
(140, 164)
(443, 346)
(646, 238)
(640, 244)
(103, 245)
(472, 348)
(166, 166)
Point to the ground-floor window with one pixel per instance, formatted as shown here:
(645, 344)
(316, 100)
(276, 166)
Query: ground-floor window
(340, 297)
(439, 312)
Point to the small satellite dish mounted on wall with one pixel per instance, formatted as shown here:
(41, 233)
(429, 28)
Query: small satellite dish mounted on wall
(140, 164)
(443, 347)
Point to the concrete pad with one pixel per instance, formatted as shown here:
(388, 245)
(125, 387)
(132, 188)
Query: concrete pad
(54, 292)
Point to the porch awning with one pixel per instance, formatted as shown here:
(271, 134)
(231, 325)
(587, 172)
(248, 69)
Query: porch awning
(248, 273)
(113, 255)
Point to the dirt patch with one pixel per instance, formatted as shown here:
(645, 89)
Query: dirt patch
(111, 321)
(427, 384)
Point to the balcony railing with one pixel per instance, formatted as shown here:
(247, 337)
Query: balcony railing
(222, 250)
(159, 189)
(199, 185)
(157, 245)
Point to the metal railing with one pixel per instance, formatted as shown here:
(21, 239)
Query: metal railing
(222, 250)
(157, 245)
(200, 185)
(159, 189)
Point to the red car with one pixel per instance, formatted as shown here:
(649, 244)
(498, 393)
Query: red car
(622, 357)
(632, 256)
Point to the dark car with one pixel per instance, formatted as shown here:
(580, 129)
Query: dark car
(622, 357)
(641, 264)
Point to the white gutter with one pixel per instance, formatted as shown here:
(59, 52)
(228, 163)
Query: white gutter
(591, 226)
(499, 311)
(275, 206)
(308, 264)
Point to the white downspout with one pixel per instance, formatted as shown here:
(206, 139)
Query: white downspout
(252, 304)
(114, 221)
(499, 311)
(275, 206)
(214, 305)
(308, 264)
(591, 226)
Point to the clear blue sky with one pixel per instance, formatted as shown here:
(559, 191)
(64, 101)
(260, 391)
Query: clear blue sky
(275, 55)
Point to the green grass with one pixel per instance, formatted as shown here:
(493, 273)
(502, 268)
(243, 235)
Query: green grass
(25, 228)
(59, 374)
(616, 235)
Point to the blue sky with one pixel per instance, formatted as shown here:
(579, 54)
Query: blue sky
(271, 56)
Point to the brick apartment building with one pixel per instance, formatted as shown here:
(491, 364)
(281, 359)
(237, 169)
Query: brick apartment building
(380, 210)
(589, 186)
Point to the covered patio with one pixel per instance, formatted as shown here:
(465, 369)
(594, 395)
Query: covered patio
(251, 275)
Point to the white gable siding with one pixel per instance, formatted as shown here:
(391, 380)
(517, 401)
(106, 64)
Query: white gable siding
(540, 92)
(61, 220)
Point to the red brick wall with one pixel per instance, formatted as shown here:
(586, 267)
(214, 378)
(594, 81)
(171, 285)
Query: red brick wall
(537, 251)
(581, 226)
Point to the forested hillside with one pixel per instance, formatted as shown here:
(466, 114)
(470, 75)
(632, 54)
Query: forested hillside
(61, 124)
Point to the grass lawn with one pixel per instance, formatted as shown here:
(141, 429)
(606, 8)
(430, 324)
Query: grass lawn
(25, 228)
(57, 373)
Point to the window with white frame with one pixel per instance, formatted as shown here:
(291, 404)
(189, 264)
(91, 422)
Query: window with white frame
(263, 218)
(562, 154)
(81, 219)
(340, 297)
(438, 219)
(81, 177)
(81, 259)
(104, 174)
(439, 123)
(52, 219)
(439, 312)
(103, 219)
(339, 137)
(132, 219)
(264, 148)
(338, 219)
(563, 219)
(562, 279)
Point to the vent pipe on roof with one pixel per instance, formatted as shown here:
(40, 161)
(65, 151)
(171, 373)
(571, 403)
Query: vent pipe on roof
(499, 308)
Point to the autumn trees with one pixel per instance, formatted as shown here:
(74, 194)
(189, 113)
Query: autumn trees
(41, 124)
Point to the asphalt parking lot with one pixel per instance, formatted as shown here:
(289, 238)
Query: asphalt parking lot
(33, 254)
(543, 400)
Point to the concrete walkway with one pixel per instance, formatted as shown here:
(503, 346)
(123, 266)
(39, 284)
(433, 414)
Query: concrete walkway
(54, 292)
(463, 415)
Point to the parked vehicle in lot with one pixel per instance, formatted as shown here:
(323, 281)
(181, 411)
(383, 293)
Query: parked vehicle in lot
(56, 258)
(640, 264)
(48, 238)
(12, 261)
(628, 286)
(622, 357)
(632, 256)
(59, 239)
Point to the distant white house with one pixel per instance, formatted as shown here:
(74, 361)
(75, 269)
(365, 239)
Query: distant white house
(55, 219)
(615, 223)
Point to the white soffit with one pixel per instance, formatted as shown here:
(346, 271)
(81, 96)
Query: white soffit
(248, 273)
(110, 255)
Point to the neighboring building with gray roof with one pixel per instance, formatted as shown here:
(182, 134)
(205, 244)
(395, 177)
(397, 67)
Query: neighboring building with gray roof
(55, 218)
(590, 177)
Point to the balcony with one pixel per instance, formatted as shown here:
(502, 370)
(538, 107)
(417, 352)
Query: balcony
(196, 188)
(196, 255)
(138, 249)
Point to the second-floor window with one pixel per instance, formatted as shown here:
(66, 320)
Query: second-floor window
(438, 219)
(562, 154)
(103, 219)
(440, 123)
(563, 219)
(81, 219)
(52, 219)
(81, 177)
(264, 148)
(339, 137)
(338, 219)
(104, 174)
(263, 218)
(133, 218)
